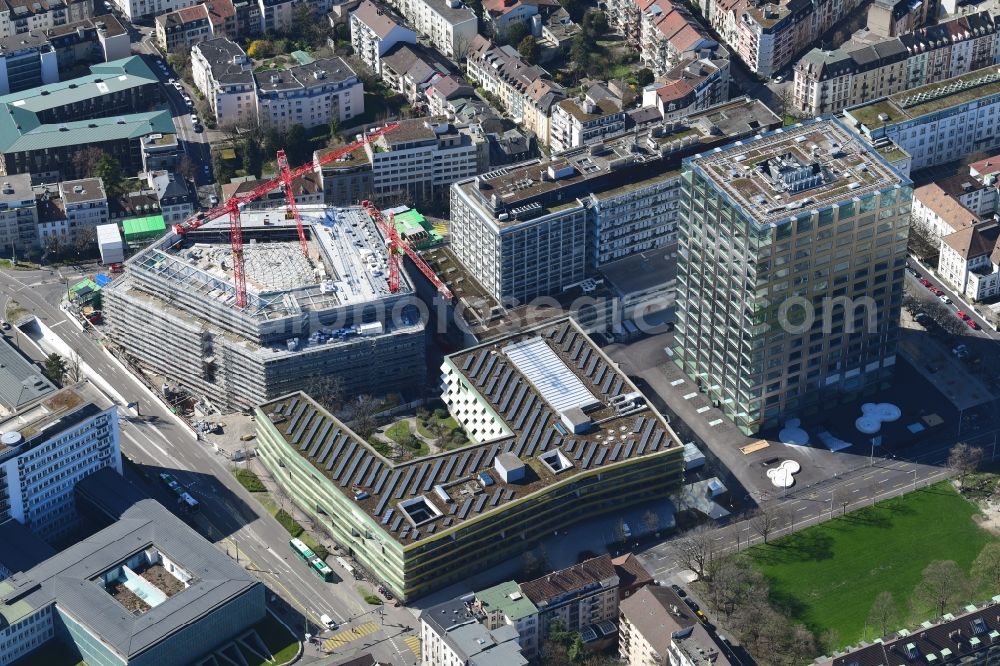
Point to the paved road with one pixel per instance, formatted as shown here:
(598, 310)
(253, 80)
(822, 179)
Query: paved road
(230, 515)
(924, 294)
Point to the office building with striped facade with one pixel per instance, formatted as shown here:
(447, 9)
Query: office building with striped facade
(542, 458)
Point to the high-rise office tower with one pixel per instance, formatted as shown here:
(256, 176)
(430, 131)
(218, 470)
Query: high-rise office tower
(792, 250)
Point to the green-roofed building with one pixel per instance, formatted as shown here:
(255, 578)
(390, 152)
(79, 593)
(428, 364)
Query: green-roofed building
(505, 604)
(84, 292)
(141, 229)
(112, 108)
(416, 230)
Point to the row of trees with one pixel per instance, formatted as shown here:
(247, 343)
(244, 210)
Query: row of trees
(59, 369)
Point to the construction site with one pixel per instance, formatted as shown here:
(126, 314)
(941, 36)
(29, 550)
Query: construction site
(315, 305)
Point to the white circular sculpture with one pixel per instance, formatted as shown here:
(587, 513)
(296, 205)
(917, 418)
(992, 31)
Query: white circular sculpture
(874, 415)
(782, 476)
(793, 434)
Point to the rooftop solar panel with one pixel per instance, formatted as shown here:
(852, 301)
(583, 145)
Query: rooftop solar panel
(488, 367)
(447, 521)
(556, 383)
(638, 424)
(325, 451)
(503, 384)
(367, 460)
(480, 358)
(322, 438)
(405, 533)
(577, 348)
(599, 377)
(434, 472)
(607, 384)
(584, 357)
(381, 504)
(344, 459)
(491, 386)
(647, 432)
(590, 366)
(358, 457)
(509, 495)
(414, 486)
(460, 470)
(430, 530)
(629, 447)
(585, 463)
(580, 450)
(569, 341)
(464, 511)
(468, 361)
(496, 497)
(446, 472)
(602, 454)
(401, 488)
(295, 420)
(516, 403)
(476, 460)
(387, 516)
(376, 469)
(523, 413)
(311, 432)
(390, 487)
(381, 480)
(569, 447)
(615, 452)
(480, 502)
(616, 388)
(395, 523)
(494, 450)
(291, 406)
(452, 508)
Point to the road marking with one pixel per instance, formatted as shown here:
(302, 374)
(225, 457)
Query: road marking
(677, 382)
(715, 422)
(802, 508)
(702, 410)
(413, 643)
(691, 395)
(346, 636)
(856, 490)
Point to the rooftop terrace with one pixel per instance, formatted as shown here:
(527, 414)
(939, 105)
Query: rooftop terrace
(809, 166)
(417, 499)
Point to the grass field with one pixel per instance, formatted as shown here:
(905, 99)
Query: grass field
(828, 576)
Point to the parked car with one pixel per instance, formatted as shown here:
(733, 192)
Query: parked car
(779, 79)
(679, 591)
(925, 282)
(692, 605)
(961, 315)
(972, 324)
(936, 291)
(944, 299)
(328, 621)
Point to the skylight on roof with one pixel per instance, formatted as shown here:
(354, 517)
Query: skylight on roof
(556, 383)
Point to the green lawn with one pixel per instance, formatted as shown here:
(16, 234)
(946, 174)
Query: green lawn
(249, 480)
(282, 645)
(398, 432)
(828, 576)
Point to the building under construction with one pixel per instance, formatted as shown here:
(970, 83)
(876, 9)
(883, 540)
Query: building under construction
(330, 313)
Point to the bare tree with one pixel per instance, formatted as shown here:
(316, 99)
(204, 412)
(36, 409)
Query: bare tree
(84, 161)
(326, 389)
(883, 613)
(923, 245)
(618, 531)
(696, 550)
(652, 522)
(963, 460)
(734, 583)
(944, 584)
(186, 168)
(85, 238)
(986, 567)
(364, 409)
(73, 373)
(766, 520)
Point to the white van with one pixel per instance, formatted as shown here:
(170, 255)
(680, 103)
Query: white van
(328, 621)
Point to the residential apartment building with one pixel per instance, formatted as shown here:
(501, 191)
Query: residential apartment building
(175, 198)
(310, 94)
(348, 180)
(892, 18)
(425, 546)
(966, 637)
(768, 36)
(49, 446)
(139, 10)
(409, 69)
(936, 123)
(449, 25)
(537, 104)
(71, 210)
(224, 74)
(506, 605)
(422, 157)
(830, 81)
(374, 30)
(18, 215)
(668, 31)
(532, 230)
(20, 16)
(112, 105)
(451, 635)
(501, 72)
(184, 27)
(970, 260)
(37, 57)
(815, 218)
(656, 628)
(577, 122)
(936, 213)
(579, 596)
(276, 15)
(694, 84)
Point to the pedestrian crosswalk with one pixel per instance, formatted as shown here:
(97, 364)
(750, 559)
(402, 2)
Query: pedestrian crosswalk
(345, 636)
(413, 642)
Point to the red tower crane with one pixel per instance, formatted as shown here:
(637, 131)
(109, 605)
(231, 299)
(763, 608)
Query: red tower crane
(286, 179)
(235, 203)
(397, 244)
